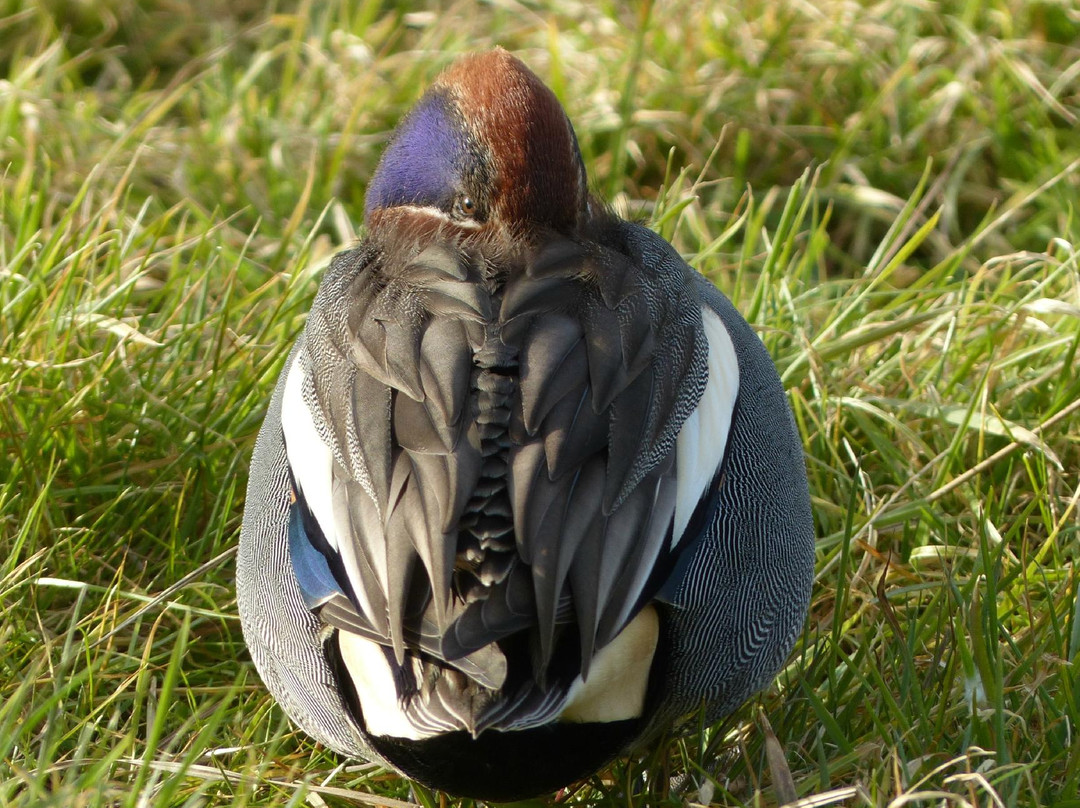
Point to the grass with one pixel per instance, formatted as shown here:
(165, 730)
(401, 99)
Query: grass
(890, 193)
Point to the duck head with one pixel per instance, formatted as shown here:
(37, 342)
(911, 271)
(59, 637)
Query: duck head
(487, 149)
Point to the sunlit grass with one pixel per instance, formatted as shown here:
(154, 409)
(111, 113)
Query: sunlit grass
(889, 193)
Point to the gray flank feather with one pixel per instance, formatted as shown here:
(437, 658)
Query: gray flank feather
(282, 635)
(757, 556)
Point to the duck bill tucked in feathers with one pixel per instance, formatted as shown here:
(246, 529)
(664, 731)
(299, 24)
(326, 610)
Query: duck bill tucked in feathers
(529, 489)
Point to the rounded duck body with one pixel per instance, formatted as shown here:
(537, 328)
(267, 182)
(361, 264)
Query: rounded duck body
(529, 489)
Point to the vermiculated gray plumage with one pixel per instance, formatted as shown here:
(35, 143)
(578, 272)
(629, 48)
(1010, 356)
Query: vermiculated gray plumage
(757, 555)
(282, 635)
(487, 458)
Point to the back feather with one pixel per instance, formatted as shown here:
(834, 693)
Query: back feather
(500, 434)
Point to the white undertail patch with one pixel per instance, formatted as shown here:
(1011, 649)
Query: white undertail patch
(703, 438)
(373, 679)
(618, 675)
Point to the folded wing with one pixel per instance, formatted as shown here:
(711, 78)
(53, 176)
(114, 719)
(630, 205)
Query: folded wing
(483, 454)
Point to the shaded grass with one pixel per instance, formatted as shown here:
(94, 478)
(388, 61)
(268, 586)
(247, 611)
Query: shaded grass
(888, 193)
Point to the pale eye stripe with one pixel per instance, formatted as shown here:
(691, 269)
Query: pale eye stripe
(700, 446)
(439, 213)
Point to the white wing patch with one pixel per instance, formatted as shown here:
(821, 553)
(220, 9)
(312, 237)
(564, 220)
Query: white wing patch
(312, 465)
(311, 460)
(700, 446)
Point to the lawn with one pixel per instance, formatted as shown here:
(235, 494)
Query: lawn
(890, 192)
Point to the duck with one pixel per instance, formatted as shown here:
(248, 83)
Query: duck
(529, 491)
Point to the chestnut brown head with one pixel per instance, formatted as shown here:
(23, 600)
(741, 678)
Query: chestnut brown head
(488, 146)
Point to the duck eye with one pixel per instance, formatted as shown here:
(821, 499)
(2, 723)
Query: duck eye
(466, 207)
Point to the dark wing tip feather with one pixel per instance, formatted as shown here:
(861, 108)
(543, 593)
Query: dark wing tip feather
(436, 262)
(552, 363)
(607, 371)
(402, 358)
(628, 432)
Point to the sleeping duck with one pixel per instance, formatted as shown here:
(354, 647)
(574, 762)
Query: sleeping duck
(529, 490)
